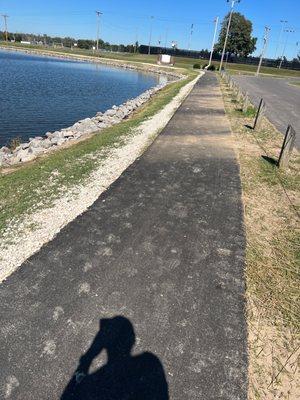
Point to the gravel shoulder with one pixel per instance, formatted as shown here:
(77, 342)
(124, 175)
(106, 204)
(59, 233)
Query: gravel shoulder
(24, 238)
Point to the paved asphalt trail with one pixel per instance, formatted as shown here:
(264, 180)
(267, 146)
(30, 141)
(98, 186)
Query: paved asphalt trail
(282, 100)
(159, 259)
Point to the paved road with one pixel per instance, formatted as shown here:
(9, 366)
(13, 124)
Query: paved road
(159, 261)
(282, 99)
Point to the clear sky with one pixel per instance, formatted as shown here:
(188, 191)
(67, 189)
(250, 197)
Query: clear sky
(124, 21)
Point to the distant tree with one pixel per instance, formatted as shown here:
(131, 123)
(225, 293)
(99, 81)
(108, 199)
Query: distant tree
(240, 41)
(85, 44)
(18, 37)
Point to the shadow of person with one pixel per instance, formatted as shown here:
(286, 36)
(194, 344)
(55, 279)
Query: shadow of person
(123, 377)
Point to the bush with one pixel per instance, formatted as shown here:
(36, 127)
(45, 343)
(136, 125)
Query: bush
(197, 66)
(212, 67)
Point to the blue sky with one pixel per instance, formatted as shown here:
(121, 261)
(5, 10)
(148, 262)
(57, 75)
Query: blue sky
(124, 21)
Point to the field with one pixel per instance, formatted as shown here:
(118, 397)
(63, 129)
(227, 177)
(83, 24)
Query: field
(180, 62)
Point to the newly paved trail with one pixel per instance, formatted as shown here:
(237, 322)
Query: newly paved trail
(163, 249)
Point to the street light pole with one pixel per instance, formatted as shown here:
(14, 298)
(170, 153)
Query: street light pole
(216, 21)
(98, 13)
(267, 29)
(150, 35)
(227, 31)
(283, 22)
(285, 44)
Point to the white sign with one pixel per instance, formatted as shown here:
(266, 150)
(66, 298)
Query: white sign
(166, 59)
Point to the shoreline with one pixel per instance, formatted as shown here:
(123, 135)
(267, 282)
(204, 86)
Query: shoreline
(50, 141)
(138, 66)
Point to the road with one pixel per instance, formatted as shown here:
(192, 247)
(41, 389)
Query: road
(158, 261)
(281, 97)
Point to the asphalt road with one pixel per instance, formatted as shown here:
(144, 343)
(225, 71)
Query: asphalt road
(281, 97)
(158, 260)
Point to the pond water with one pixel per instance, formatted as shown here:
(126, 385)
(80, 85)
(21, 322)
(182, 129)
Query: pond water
(40, 94)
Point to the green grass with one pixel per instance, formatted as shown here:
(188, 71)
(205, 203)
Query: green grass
(36, 185)
(180, 62)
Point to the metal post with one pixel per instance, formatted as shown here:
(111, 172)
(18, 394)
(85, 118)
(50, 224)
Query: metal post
(259, 114)
(283, 51)
(216, 21)
(98, 13)
(267, 29)
(283, 22)
(5, 24)
(227, 31)
(150, 35)
(190, 37)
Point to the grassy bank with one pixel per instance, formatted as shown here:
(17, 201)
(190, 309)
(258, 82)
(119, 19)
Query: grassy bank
(35, 186)
(271, 201)
(180, 62)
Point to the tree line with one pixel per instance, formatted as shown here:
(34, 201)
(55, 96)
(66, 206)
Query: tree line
(240, 42)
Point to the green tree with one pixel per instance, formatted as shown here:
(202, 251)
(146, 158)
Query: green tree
(240, 40)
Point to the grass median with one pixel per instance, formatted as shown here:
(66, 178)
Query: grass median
(271, 202)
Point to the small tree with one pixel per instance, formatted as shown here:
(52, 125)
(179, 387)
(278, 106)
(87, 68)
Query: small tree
(240, 40)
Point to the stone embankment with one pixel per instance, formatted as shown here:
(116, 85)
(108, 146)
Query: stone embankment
(38, 145)
(28, 151)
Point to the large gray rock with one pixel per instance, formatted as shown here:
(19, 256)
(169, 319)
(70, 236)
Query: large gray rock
(46, 143)
(5, 150)
(110, 113)
(68, 134)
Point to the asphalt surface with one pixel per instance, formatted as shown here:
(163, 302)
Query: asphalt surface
(281, 97)
(158, 259)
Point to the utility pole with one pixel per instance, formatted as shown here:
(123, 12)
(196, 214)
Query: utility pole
(285, 44)
(150, 34)
(190, 37)
(266, 37)
(136, 39)
(5, 25)
(166, 39)
(227, 31)
(283, 22)
(216, 21)
(98, 13)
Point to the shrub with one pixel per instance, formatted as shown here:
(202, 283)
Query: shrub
(212, 67)
(196, 66)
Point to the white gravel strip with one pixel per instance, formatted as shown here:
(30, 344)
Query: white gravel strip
(39, 228)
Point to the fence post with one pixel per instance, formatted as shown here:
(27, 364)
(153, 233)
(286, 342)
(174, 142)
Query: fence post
(259, 115)
(287, 147)
(246, 102)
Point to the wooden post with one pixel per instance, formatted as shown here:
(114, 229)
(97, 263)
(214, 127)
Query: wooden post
(287, 147)
(246, 102)
(239, 95)
(259, 115)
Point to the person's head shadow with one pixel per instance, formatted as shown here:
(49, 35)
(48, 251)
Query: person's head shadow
(124, 376)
